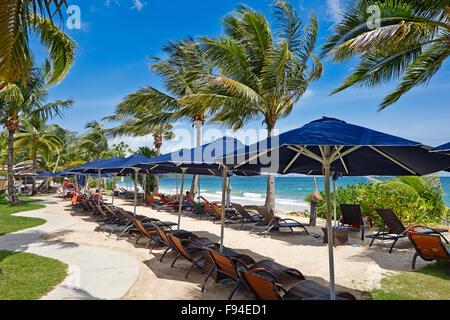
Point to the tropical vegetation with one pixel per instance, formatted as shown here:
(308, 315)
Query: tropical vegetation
(408, 40)
(415, 200)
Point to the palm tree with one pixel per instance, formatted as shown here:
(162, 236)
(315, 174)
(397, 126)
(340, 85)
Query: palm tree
(23, 100)
(138, 125)
(180, 73)
(37, 137)
(263, 73)
(410, 43)
(93, 144)
(22, 19)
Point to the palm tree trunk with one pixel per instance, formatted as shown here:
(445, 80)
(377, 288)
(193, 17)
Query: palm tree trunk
(12, 195)
(57, 162)
(270, 194)
(156, 188)
(198, 126)
(33, 188)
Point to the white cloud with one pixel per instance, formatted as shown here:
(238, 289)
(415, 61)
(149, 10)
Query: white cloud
(334, 10)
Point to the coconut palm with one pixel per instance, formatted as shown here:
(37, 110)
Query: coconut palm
(180, 72)
(263, 72)
(138, 125)
(22, 19)
(93, 144)
(36, 136)
(410, 43)
(20, 101)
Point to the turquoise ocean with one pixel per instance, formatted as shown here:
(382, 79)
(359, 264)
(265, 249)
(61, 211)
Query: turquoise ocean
(290, 191)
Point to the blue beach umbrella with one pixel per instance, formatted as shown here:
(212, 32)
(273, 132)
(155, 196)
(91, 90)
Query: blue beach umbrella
(327, 146)
(46, 174)
(202, 161)
(445, 148)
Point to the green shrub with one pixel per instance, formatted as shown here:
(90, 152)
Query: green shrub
(410, 208)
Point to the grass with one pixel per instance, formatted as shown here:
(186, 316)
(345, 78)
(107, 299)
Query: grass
(10, 223)
(429, 283)
(26, 276)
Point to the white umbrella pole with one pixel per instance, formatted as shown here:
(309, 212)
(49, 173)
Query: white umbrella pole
(326, 167)
(180, 205)
(144, 183)
(113, 189)
(99, 187)
(228, 192)
(135, 190)
(198, 196)
(222, 222)
(334, 200)
(87, 186)
(176, 183)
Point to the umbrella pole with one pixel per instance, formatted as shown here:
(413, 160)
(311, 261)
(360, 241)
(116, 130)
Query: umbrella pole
(198, 196)
(326, 166)
(87, 183)
(334, 201)
(113, 189)
(135, 189)
(228, 202)
(180, 204)
(145, 186)
(99, 187)
(222, 222)
(176, 183)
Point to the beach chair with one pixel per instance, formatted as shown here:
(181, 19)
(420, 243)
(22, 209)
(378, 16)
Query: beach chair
(209, 210)
(394, 229)
(265, 286)
(227, 266)
(271, 222)
(229, 217)
(191, 251)
(246, 216)
(428, 247)
(164, 240)
(351, 216)
(148, 233)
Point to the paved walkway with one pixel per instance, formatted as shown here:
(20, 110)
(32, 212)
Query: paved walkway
(94, 273)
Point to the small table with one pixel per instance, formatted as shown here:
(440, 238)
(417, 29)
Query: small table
(340, 236)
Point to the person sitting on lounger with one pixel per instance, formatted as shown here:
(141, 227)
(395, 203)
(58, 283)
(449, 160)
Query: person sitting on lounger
(96, 196)
(187, 200)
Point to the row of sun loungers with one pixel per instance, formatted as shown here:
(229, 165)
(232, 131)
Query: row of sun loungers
(266, 279)
(258, 276)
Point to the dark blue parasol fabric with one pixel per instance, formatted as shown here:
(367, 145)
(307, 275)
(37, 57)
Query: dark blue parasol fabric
(359, 152)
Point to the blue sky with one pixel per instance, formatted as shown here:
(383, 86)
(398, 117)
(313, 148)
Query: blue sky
(117, 37)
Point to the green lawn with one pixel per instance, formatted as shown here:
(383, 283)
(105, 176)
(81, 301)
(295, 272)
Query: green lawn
(10, 223)
(26, 276)
(430, 283)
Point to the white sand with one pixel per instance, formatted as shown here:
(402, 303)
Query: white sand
(356, 268)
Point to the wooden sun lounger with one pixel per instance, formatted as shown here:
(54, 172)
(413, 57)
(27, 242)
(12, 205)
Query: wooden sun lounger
(271, 222)
(265, 286)
(428, 247)
(394, 229)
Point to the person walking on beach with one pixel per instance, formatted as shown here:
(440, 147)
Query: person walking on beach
(65, 187)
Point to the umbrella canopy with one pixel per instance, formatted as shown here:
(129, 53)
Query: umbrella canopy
(46, 174)
(355, 151)
(445, 148)
(329, 145)
(199, 160)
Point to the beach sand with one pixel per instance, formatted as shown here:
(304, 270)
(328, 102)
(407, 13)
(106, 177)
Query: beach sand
(356, 268)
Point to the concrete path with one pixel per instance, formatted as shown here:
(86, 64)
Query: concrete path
(94, 273)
